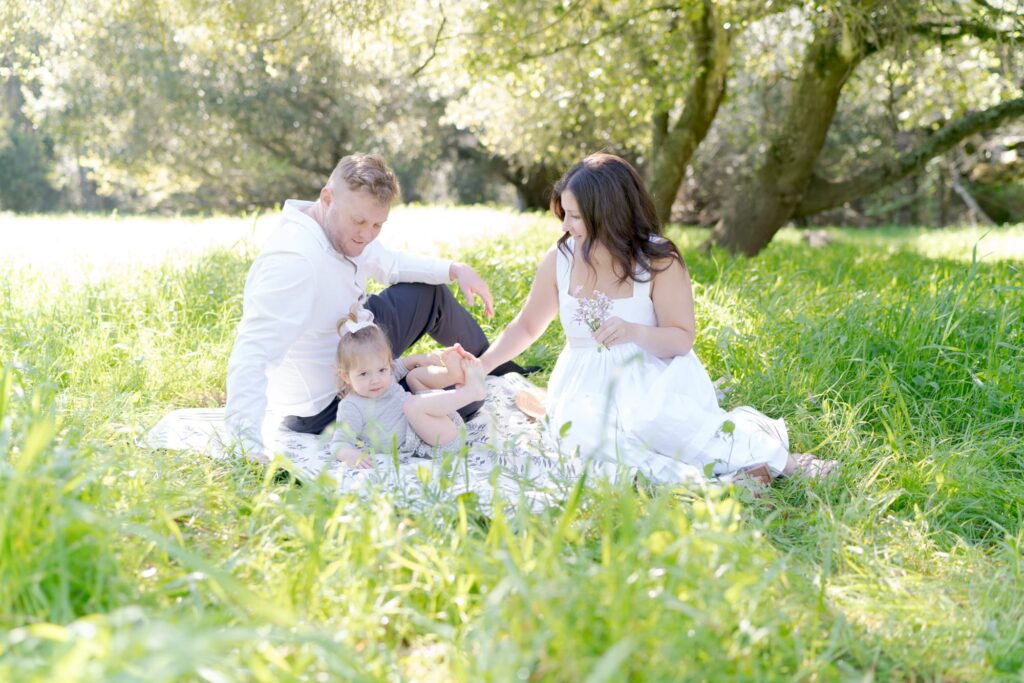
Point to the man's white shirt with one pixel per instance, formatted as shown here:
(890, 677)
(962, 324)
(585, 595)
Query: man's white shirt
(296, 291)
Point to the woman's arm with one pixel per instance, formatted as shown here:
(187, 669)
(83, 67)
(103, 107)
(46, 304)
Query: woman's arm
(540, 309)
(672, 294)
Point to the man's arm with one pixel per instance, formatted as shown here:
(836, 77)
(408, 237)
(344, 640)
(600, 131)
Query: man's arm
(389, 266)
(280, 292)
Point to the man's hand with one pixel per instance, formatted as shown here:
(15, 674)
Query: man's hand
(472, 286)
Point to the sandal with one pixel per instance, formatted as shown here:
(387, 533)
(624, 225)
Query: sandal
(531, 402)
(756, 479)
(759, 473)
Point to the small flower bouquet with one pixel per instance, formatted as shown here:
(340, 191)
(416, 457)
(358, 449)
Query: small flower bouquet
(592, 311)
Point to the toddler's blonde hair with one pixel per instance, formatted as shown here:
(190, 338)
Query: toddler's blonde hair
(365, 342)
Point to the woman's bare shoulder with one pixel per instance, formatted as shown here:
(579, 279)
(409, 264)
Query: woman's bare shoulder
(549, 258)
(547, 269)
(669, 263)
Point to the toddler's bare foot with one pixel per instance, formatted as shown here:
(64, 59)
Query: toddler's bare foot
(452, 359)
(476, 382)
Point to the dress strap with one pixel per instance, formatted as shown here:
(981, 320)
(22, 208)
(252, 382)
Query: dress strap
(642, 288)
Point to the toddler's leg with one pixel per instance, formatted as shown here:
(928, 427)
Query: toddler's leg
(428, 413)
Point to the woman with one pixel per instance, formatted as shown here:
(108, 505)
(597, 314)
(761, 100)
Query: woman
(627, 389)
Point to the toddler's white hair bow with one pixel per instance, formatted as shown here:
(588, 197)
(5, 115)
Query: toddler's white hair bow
(363, 318)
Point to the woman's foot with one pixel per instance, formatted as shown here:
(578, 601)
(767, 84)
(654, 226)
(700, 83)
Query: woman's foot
(476, 381)
(810, 466)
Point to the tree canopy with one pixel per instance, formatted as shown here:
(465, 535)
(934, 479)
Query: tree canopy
(748, 114)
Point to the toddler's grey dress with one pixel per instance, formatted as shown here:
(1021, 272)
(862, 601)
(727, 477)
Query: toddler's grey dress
(379, 424)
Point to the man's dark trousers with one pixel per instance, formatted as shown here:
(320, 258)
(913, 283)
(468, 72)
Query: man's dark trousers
(406, 312)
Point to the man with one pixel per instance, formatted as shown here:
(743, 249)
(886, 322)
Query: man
(308, 275)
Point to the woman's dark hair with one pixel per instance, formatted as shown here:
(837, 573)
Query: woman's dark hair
(619, 214)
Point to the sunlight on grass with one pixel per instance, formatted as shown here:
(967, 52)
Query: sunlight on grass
(893, 351)
(1003, 243)
(81, 247)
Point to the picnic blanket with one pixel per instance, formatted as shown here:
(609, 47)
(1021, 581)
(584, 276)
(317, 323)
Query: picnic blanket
(507, 452)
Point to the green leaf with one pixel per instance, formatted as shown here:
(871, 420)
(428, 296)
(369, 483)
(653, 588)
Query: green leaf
(608, 667)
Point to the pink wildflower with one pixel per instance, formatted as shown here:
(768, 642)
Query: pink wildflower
(592, 311)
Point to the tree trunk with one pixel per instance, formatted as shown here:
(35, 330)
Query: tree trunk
(533, 186)
(673, 147)
(942, 199)
(756, 212)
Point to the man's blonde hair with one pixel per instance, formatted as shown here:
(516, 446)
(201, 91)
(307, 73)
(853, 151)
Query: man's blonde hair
(369, 173)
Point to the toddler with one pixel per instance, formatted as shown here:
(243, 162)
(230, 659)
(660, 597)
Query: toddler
(377, 413)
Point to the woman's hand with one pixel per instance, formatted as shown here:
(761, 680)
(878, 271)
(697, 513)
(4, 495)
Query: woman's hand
(614, 331)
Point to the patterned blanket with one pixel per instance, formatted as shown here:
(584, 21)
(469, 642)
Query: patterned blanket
(507, 453)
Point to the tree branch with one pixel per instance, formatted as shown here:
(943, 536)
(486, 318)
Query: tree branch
(614, 29)
(823, 194)
(279, 147)
(433, 47)
(996, 10)
(287, 31)
(948, 31)
(972, 203)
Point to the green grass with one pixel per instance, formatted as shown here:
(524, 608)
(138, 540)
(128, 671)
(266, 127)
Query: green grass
(900, 353)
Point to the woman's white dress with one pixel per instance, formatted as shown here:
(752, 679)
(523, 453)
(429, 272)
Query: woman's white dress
(622, 406)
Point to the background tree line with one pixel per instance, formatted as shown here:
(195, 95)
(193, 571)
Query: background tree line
(744, 115)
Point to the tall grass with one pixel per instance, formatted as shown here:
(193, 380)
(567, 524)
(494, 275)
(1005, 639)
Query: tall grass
(900, 356)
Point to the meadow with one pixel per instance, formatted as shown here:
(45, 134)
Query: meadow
(898, 352)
